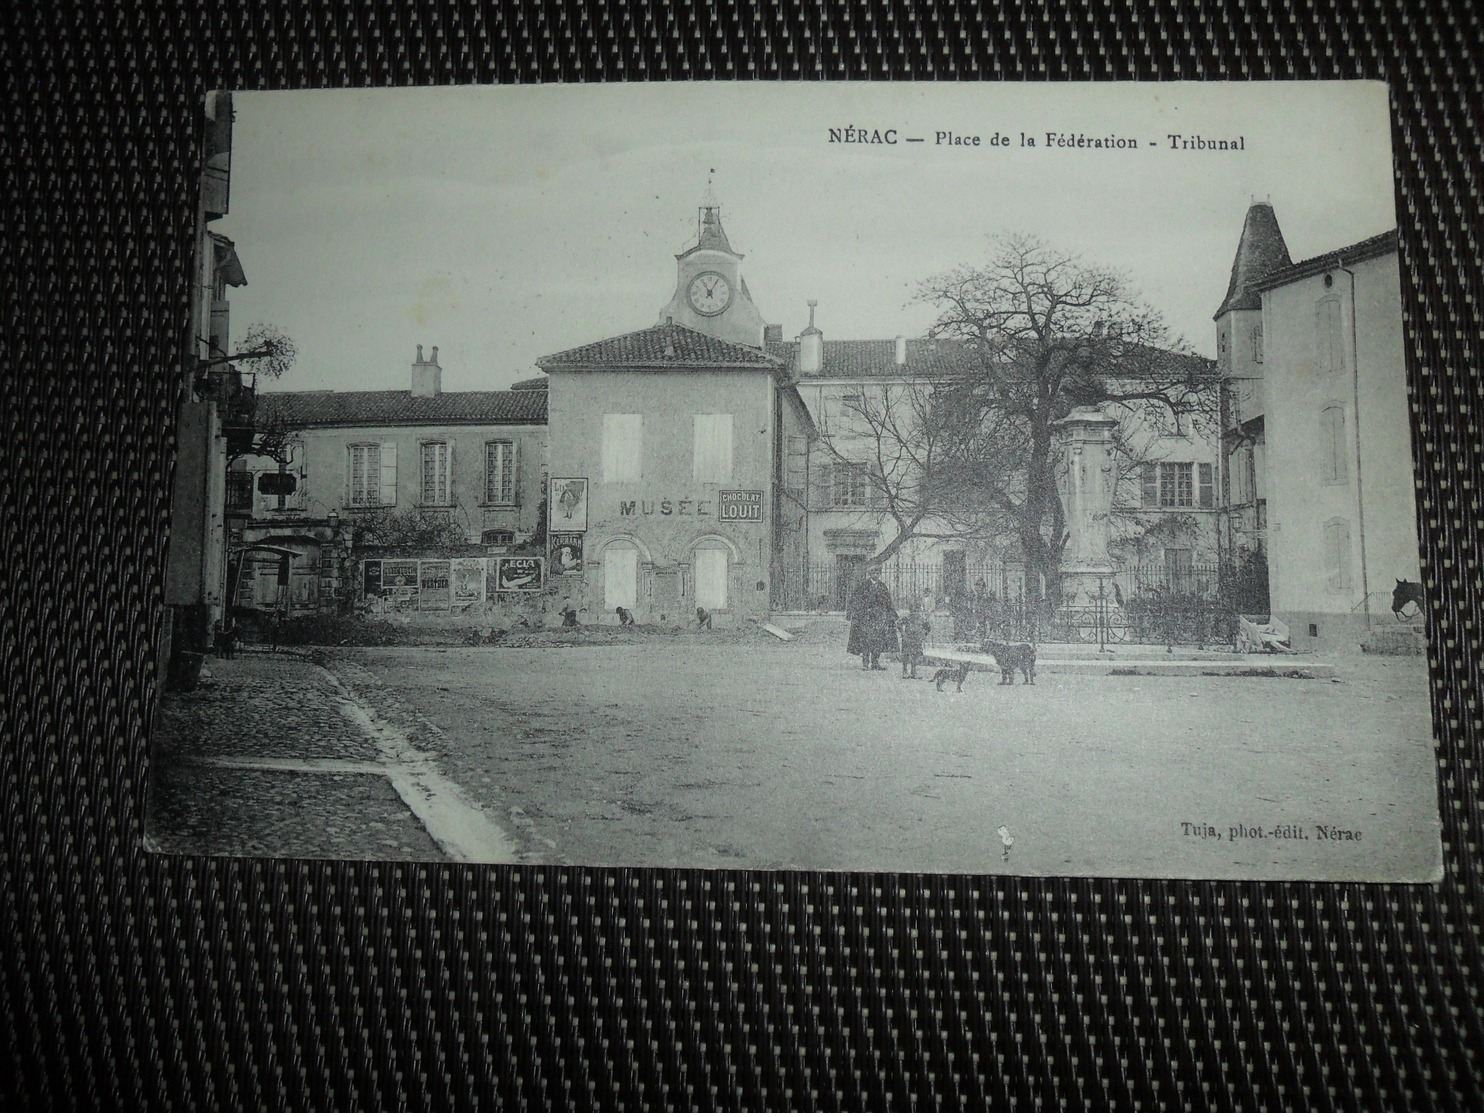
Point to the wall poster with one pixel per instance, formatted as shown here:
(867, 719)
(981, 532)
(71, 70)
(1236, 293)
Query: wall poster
(567, 504)
(566, 552)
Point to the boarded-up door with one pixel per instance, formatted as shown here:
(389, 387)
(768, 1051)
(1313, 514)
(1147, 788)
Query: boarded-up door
(620, 575)
(711, 577)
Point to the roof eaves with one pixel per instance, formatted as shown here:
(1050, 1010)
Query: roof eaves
(1371, 248)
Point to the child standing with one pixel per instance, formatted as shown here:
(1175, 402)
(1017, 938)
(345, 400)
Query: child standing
(915, 629)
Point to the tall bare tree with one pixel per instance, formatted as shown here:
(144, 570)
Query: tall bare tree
(920, 466)
(1048, 332)
(969, 451)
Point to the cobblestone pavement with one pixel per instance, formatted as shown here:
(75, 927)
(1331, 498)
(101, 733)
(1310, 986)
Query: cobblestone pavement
(264, 759)
(262, 704)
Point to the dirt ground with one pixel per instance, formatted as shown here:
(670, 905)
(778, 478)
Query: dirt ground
(717, 753)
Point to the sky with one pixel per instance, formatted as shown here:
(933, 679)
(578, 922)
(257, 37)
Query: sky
(502, 224)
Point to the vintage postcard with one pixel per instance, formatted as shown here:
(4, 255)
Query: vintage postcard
(972, 478)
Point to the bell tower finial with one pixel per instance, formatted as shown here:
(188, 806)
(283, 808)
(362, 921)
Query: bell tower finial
(710, 209)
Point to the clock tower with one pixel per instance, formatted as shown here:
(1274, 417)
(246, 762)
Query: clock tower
(711, 296)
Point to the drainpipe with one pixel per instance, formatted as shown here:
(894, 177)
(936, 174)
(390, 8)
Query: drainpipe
(1365, 583)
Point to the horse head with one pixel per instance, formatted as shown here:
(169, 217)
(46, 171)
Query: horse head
(1407, 592)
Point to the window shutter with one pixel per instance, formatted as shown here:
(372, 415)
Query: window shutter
(1337, 555)
(514, 466)
(1151, 485)
(623, 447)
(389, 473)
(875, 482)
(1208, 485)
(450, 474)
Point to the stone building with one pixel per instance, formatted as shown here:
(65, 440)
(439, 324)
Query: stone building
(1318, 441)
(669, 455)
(215, 412)
(414, 494)
(1162, 531)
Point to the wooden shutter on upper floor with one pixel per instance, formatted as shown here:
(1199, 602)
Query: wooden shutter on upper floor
(388, 490)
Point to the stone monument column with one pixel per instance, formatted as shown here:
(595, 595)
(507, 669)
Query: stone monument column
(1086, 485)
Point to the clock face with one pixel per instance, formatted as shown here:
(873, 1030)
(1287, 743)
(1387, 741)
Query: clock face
(709, 293)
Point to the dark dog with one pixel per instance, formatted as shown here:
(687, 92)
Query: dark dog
(569, 617)
(1012, 658)
(957, 673)
(703, 617)
(624, 616)
(224, 643)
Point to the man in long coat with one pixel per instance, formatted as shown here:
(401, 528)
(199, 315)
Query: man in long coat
(873, 621)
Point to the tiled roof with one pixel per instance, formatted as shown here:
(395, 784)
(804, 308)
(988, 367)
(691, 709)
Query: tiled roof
(534, 384)
(1260, 251)
(926, 357)
(865, 360)
(1371, 247)
(295, 410)
(657, 347)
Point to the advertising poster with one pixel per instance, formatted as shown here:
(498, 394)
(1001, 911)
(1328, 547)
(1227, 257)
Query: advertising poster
(740, 506)
(566, 552)
(519, 574)
(567, 505)
(399, 580)
(466, 582)
(433, 584)
(371, 577)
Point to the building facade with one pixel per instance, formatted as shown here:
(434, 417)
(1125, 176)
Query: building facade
(1321, 483)
(1342, 514)
(214, 417)
(1162, 532)
(372, 496)
(669, 452)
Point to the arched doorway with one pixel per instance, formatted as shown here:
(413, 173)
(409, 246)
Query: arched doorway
(713, 575)
(620, 575)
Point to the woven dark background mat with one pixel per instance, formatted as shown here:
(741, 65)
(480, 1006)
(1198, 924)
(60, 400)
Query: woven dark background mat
(128, 980)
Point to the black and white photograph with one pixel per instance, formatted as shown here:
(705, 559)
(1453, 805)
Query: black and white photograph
(925, 478)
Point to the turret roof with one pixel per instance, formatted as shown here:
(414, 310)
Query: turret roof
(1260, 251)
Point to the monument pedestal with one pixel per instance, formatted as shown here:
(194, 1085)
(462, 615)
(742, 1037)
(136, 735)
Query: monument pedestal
(1080, 585)
(1086, 481)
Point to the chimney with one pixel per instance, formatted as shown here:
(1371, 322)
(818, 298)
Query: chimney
(811, 345)
(427, 377)
(772, 336)
(901, 355)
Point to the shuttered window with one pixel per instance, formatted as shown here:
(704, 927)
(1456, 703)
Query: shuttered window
(849, 485)
(713, 449)
(437, 460)
(1207, 473)
(499, 472)
(623, 447)
(373, 475)
(1337, 555)
(1333, 461)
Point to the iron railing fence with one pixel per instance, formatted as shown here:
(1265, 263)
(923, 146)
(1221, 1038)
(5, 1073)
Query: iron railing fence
(1144, 604)
(825, 587)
